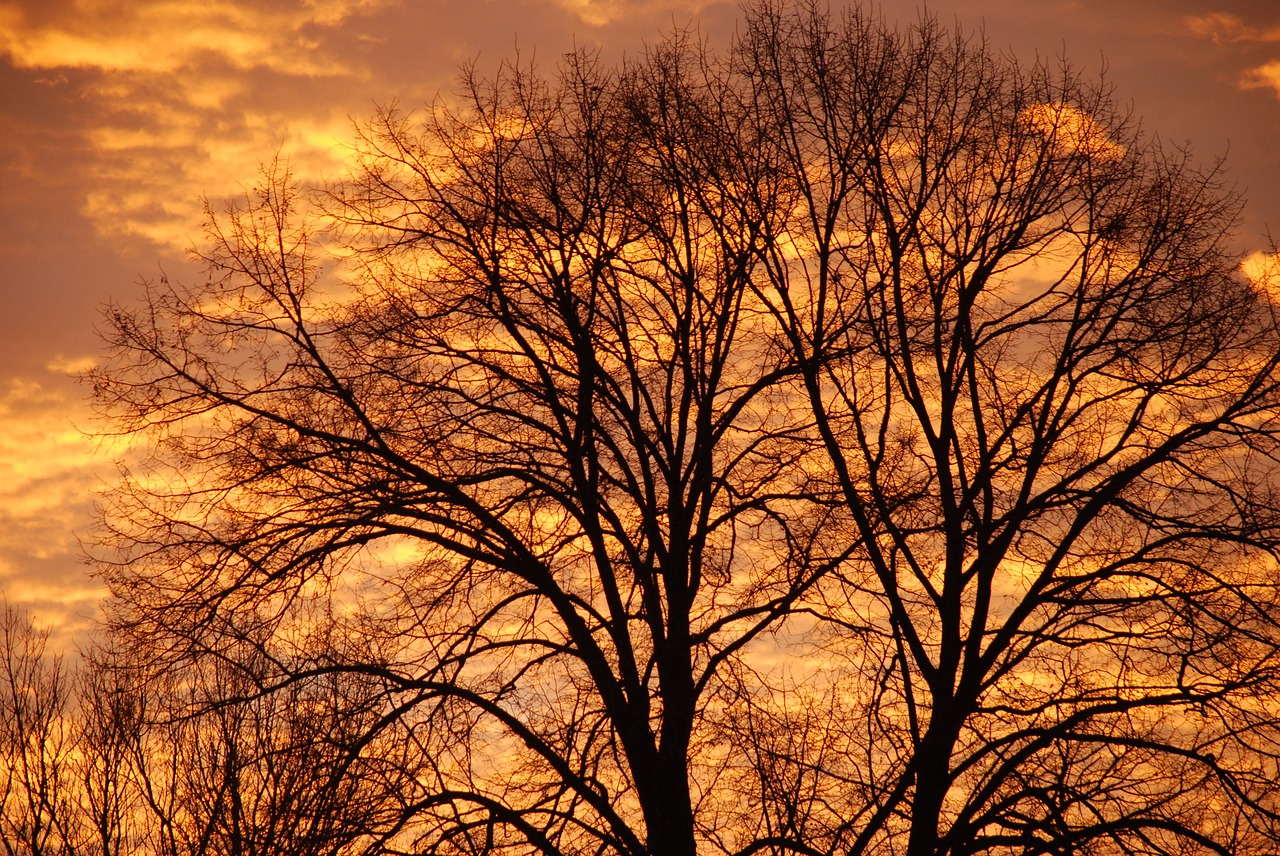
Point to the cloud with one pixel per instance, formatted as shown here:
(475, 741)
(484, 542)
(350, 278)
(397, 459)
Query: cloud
(602, 13)
(165, 35)
(152, 179)
(177, 101)
(1266, 76)
(48, 480)
(1225, 28)
(173, 101)
(61, 364)
(1263, 270)
(1073, 130)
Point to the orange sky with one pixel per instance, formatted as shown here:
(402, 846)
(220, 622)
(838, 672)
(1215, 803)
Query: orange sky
(117, 115)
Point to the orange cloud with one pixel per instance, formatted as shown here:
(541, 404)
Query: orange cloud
(183, 100)
(189, 98)
(1263, 270)
(154, 177)
(162, 36)
(1265, 76)
(1073, 130)
(1225, 28)
(599, 13)
(49, 475)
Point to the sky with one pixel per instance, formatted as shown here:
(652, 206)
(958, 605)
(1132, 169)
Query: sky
(118, 117)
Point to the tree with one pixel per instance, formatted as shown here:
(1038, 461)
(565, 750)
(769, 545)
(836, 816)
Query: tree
(95, 762)
(217, 769)
(36, 742)
(1048, 401)
(849, 442)
(571, 430)
(106, 718)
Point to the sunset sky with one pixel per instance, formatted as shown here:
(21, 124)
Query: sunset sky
(117, 116)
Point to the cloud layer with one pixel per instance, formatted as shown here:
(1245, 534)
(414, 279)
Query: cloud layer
(122, 116)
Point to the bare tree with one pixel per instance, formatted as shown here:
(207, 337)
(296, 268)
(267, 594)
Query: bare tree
(115, 758)
(108, 727)
(1048, 402)
(573, 435)
(36, 742)
(220, 768)
(852, 442)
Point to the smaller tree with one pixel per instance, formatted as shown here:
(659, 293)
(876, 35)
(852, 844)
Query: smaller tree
(37, 739)
(217, 765)
(109, 729)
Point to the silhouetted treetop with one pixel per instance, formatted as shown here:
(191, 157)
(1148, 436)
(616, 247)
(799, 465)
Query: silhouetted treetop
(851, 441)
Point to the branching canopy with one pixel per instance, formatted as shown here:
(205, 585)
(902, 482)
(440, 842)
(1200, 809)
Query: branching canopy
(849, 442)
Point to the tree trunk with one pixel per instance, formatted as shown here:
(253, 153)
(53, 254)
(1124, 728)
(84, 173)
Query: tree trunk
(933, 779)
(669, 810)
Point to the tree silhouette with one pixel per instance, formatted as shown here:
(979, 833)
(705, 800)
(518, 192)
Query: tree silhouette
(218, 768)
(849, 442)
(1048, 402)
(36, 742)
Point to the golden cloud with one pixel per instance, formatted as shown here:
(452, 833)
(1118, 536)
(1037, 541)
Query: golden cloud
(1223, 27)
(161, 37)
(1073, 130)
(1265, 76)
(189, 99)
(600, 13)
(48, 479)
(154, 180)
(1262, 269)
